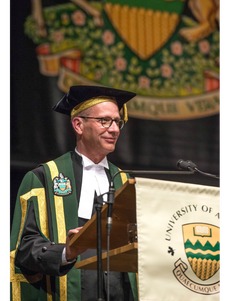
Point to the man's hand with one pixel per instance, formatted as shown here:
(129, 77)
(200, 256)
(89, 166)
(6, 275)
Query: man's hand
(73, 252)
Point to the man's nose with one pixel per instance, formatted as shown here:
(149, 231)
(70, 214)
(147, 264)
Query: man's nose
(114, 127)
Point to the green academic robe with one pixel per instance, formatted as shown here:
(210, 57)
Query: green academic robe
(46, 209)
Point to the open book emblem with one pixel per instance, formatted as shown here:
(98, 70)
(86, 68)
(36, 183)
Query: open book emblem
(202, 248)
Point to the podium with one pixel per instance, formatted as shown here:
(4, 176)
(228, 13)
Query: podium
(168, 215)
(123, 257)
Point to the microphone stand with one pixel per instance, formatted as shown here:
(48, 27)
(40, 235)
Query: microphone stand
(98, 207)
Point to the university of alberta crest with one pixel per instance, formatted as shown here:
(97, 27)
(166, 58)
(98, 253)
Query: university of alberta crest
(158, 49)
(202, 248)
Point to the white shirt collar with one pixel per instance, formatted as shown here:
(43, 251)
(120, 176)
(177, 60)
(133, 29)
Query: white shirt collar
(94, 179)
(86, 162)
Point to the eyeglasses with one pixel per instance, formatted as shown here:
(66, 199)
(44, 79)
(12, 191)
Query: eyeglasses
(107, 121)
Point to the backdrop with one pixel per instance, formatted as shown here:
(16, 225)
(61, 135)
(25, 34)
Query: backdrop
(176, 76)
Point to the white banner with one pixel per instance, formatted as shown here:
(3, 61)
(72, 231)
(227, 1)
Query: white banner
(178, 241)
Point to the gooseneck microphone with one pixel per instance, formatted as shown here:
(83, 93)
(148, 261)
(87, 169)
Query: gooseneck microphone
(189, 165)
(186, 165)
(111, 192)
(111, 195)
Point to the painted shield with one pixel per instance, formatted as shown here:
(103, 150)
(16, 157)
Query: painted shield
(202, 247)
(62, 185)
(145, 26)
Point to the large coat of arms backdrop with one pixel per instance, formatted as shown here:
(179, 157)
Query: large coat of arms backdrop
(166, 51)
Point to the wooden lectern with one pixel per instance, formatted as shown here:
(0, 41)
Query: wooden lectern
(123, 257)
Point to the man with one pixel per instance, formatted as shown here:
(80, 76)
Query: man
(56, 199)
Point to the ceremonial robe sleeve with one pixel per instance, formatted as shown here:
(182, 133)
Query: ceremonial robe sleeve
(36, 253)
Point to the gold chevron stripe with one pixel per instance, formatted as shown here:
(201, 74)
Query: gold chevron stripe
(202, 252)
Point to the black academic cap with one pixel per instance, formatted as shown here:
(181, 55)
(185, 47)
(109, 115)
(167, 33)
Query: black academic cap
(79, 94)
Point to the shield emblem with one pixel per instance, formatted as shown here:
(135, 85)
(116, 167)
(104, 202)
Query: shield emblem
(202, 247)
(62, 186)
(145, 26)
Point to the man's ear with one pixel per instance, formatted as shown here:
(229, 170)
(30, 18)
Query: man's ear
(77, 124)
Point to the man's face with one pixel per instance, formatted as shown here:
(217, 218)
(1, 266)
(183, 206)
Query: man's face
(98, 141)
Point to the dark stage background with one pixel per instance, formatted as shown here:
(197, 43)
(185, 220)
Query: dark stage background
(39, 134)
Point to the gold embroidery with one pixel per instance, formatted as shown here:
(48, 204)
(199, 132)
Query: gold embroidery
(17, 291)
(39, 192)
(90, 103)
(123, 177)
(43, 213)
(96, 100)
(14, 277)
(63, 286)
(60, 217)
(61, 227)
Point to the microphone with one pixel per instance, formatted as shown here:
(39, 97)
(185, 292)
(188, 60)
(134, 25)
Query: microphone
(186, 165)
(111, 195)
(189, 165)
